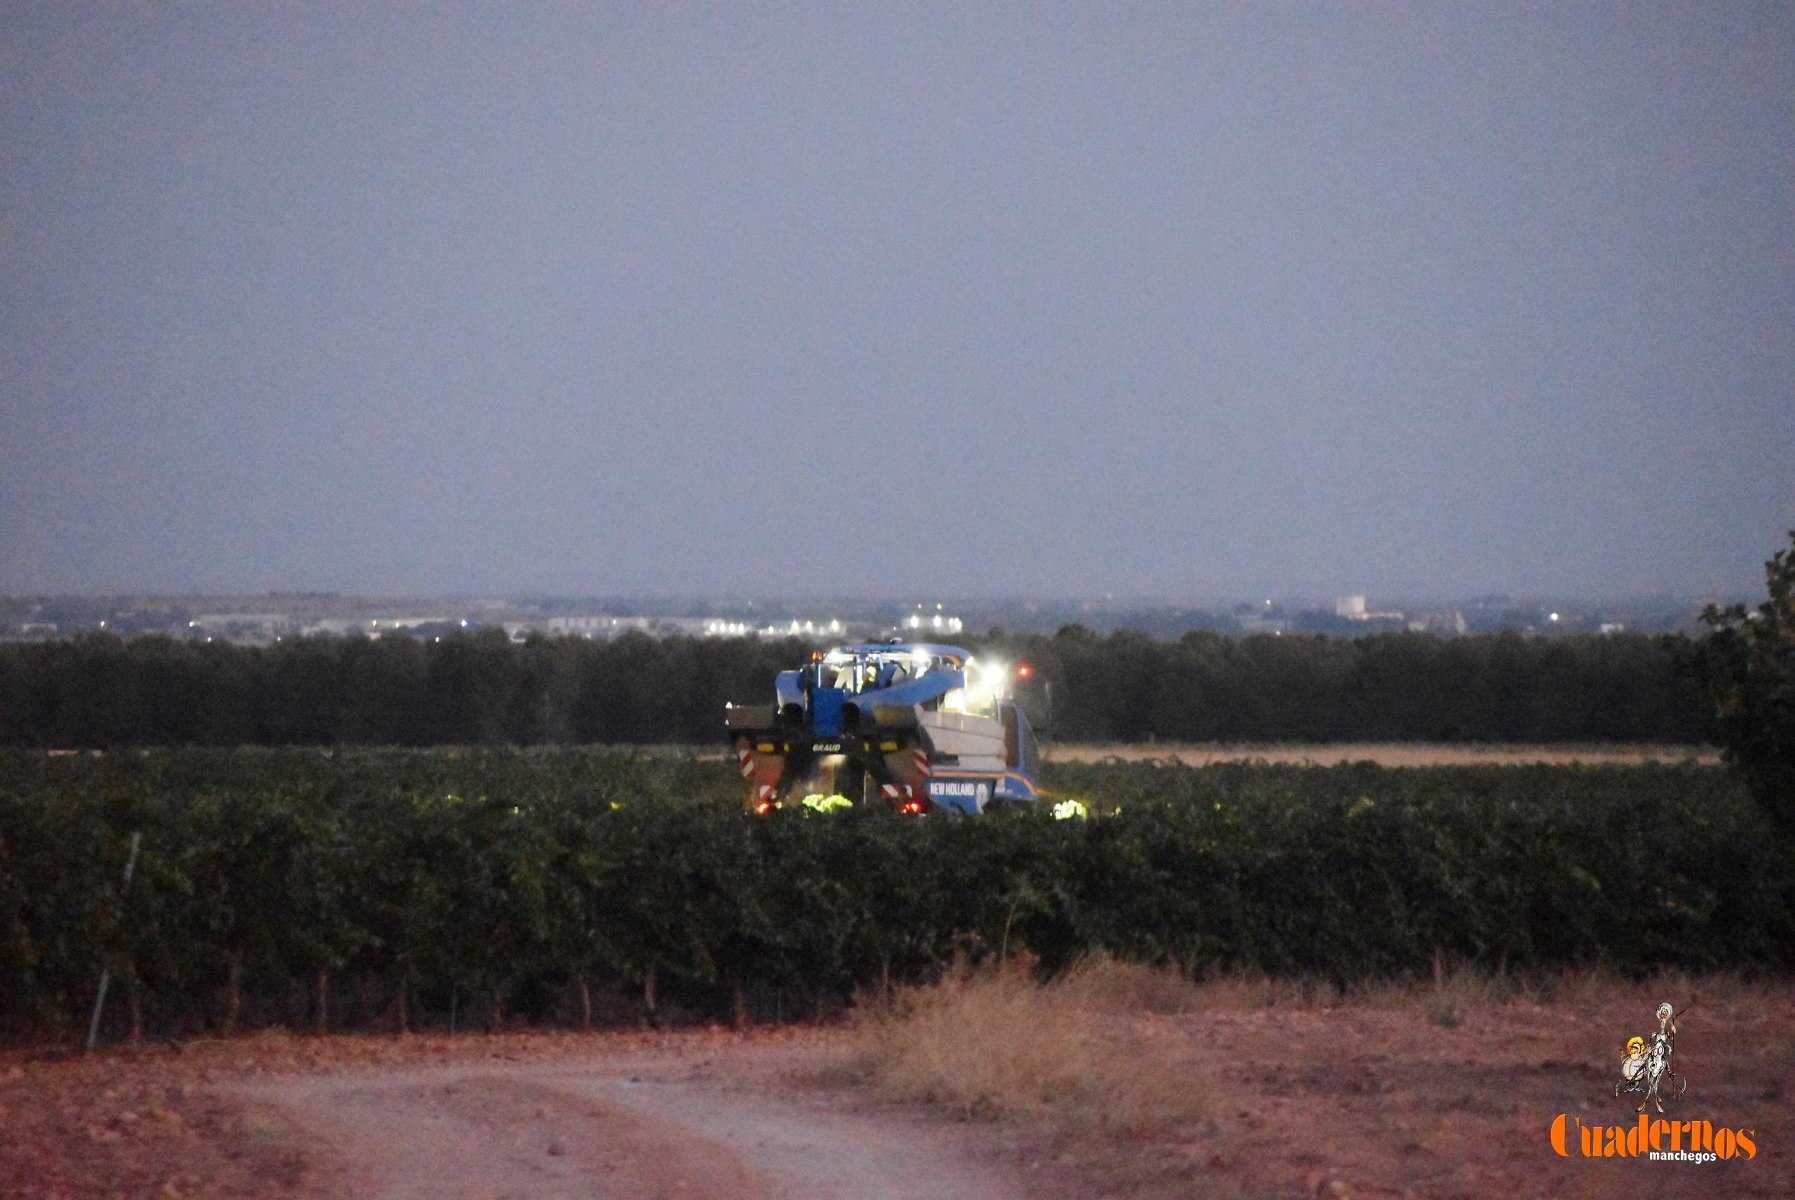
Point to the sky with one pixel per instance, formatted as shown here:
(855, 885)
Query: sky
(1056, 299)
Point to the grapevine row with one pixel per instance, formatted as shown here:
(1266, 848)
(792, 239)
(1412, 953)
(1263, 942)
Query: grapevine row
(373, 888)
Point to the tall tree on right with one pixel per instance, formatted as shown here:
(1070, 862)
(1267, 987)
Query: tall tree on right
(1747, 679)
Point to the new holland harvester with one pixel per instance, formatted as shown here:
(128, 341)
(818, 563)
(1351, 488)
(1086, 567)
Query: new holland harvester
(920, 727)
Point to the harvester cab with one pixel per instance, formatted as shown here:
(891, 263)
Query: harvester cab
(917, 726)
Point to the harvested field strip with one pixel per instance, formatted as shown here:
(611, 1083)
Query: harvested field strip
(1385, 754)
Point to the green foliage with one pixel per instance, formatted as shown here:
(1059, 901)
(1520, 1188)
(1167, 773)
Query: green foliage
(1747, 674)
(1363, 870)
(471, 880)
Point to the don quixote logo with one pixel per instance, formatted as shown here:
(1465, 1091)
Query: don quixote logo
(1646, 1071)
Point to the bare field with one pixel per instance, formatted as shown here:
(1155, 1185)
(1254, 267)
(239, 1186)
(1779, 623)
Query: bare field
(1384, 754)
(1259, 1088)
(1118, 1083)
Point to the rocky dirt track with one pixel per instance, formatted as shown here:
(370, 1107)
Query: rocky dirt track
(699, 1116)
(649, 1127)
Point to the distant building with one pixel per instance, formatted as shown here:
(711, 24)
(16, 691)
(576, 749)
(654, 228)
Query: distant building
(242, 628)
(935, 623)
(1352, 608)
(374, 627)
(604, 626)
(804, 629)
(1441, 621)
(597, 626)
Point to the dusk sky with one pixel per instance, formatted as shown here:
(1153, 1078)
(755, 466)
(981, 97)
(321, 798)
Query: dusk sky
(1176, 301)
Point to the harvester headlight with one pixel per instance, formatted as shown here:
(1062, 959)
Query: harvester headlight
(984, 685)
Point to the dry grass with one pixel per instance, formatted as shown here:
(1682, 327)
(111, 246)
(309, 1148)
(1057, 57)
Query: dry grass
(1114, 988)
(1154, 1088)
(994, 1043)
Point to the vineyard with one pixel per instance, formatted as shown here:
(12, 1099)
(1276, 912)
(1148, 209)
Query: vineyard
(393, 888)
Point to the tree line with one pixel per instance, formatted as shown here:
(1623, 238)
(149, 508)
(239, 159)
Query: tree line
(101, 691)
(1208, 687)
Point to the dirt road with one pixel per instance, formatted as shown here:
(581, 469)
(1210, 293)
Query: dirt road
(694, 1115)
(663, 1125)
